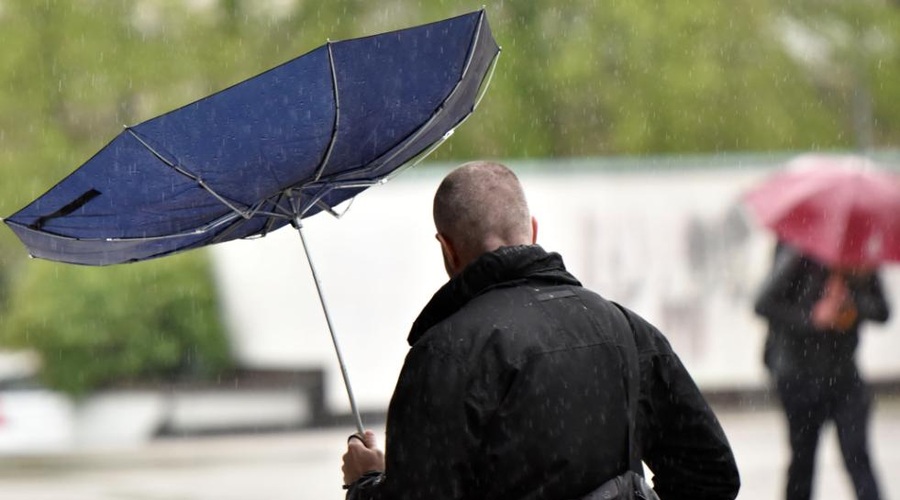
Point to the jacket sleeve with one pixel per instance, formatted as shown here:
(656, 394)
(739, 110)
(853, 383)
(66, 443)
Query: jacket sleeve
(680, 438)
(869, 298)
(776, 299)
(424, 456)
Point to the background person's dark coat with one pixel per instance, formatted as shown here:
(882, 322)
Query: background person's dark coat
(514, 388)
(794, 347)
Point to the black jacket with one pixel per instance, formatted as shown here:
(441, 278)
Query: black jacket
(514, 388)
(786, 299)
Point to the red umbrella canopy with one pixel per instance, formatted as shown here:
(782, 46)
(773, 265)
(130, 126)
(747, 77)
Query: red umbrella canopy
(843, 210)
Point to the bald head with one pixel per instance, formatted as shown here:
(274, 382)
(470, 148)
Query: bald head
(480, 207)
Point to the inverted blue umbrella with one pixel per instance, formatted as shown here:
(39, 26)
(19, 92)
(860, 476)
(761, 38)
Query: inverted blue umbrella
(291, 142)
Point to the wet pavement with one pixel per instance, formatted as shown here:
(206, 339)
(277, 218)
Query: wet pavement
(306, 465)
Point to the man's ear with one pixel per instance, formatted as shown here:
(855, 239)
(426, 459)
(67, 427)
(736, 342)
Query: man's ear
(534, 227)
(452, 259)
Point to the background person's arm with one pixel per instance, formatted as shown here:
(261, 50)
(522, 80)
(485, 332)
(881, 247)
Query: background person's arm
(868, 296)
(777, 299)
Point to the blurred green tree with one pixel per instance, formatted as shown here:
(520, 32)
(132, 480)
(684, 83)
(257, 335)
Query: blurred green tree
(850, 51)
(120, 325)
(73, 73)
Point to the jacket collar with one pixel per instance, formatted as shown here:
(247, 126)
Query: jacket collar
(505, 266)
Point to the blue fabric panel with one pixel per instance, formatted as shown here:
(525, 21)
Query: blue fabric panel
(255, 138)
(377, 114)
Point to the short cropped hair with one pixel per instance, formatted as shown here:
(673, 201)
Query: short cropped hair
(480, 202)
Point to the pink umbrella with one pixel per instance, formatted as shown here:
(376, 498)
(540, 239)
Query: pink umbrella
(840, 209)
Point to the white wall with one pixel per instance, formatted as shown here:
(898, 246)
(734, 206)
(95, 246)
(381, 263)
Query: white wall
(672, 244)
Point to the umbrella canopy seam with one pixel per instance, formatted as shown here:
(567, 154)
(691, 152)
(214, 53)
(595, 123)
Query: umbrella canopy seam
(337, 115)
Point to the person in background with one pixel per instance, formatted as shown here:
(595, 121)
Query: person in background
(515, 385)
(814, 314)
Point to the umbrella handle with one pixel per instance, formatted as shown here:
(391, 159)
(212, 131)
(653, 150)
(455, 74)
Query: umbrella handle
(337, 349)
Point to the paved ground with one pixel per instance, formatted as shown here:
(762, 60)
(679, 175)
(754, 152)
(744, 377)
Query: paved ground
(306, 465)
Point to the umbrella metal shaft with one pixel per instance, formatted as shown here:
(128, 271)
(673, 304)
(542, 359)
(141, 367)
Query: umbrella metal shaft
(337, 349)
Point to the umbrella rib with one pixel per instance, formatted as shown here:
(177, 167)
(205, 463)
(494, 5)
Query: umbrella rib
(331, 211)
(189, 175)
(326, 188)
(337, 115)
(256, 209)
(350, 184)
(271, 221)
(279, 210)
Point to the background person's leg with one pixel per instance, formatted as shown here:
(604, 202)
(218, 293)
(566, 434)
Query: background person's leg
(805, 414)
(851, 418)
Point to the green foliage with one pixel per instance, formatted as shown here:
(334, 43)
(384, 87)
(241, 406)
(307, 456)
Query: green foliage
(138, 323)
(856, 64)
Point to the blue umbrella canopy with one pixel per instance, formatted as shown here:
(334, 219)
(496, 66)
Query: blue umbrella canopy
(288, 143)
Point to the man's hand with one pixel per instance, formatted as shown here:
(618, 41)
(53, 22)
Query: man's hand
(362, 456)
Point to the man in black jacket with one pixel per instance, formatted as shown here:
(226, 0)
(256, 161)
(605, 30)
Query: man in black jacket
(515, 383)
